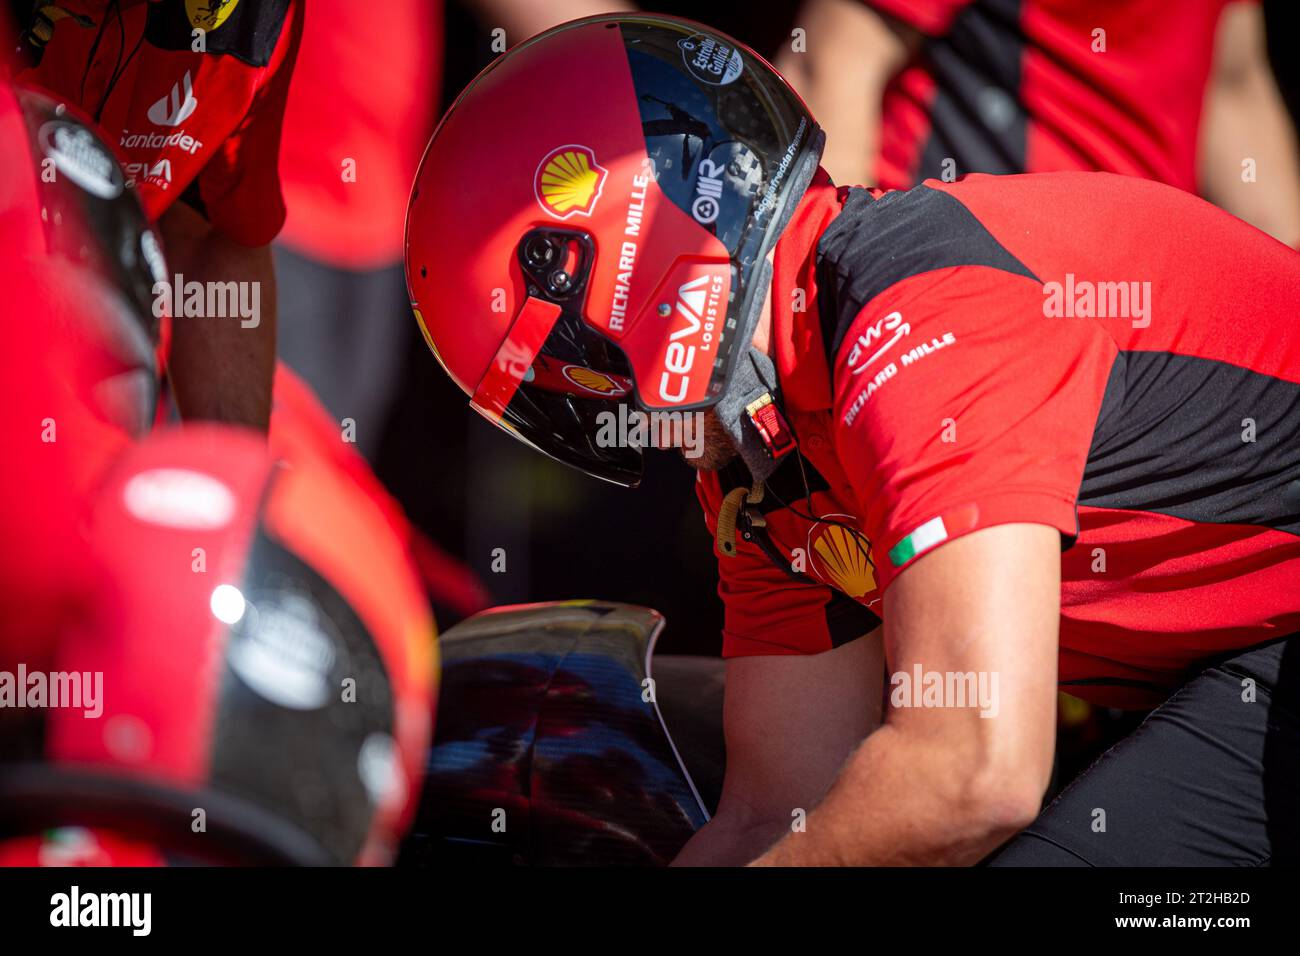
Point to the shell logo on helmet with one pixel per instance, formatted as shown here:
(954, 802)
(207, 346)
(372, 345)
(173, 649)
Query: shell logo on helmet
(569, 181)
(593, 381)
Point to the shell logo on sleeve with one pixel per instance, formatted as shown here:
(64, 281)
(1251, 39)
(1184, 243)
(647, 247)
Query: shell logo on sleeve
(569, 181)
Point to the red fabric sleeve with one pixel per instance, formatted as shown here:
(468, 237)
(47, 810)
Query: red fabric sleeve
(931, 17)
(981, 411)
(240, 185)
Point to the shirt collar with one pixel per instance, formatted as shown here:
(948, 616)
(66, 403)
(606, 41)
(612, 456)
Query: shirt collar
(796, 332)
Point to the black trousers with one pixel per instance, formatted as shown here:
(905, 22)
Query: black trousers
(346, 333)
(1210, 778)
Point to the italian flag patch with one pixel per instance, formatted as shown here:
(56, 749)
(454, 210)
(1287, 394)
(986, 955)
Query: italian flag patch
(922, 539)
(935, 531)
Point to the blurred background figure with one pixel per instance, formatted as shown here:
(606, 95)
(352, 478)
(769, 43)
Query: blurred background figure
(255, 612)
(196, 128)
(1177, 92)
(362, 104)
(353, 136)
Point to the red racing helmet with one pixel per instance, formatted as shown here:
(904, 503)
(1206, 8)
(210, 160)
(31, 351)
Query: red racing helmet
(254, 644)
(81, 366)
(68, 208)
(590, 226)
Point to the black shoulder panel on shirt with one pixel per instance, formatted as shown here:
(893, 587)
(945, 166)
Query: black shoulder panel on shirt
(245, 29)
(1196, 439)
(875, 243)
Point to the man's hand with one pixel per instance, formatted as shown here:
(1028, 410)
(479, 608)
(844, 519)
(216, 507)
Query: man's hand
(947, 785)
(790, 721)
(852, 53)
(221, 368)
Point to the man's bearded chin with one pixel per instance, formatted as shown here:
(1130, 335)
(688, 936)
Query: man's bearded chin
(715, 451)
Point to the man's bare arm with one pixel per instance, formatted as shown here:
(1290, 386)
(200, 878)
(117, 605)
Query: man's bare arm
(852, 53)
(1246, 121)
(790, 722)
(945, 785)
(221, 369)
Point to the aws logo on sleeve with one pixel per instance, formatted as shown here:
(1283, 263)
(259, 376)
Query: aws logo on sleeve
(861, 355)
(246, 29)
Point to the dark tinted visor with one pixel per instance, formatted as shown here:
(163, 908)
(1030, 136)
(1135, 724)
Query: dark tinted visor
(571, 396)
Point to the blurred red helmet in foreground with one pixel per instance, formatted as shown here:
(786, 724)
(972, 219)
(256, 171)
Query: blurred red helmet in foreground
(78, 846)
(257, 679)
(66, 208)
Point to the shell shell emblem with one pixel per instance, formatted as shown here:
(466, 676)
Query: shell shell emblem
(593, 381)
(569, 181)
(844, 560)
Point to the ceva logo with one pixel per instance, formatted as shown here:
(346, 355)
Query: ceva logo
(174, 109)
(159, 173)
(701, 306)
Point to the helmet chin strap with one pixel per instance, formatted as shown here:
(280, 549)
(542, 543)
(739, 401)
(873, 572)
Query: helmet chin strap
(754, 377)
(754, 381)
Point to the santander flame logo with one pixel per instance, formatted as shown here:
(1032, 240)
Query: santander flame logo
(175, 109)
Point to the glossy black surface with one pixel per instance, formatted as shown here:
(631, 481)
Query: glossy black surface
(546, 750)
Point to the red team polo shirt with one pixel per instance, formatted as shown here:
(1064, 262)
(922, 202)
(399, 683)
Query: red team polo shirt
(1105, 355)
(354, 134)
(179, 117)
(1014, 86)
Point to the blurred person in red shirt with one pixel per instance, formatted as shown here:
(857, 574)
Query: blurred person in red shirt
(1179, 93)
(190, 93)
(353, 135)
